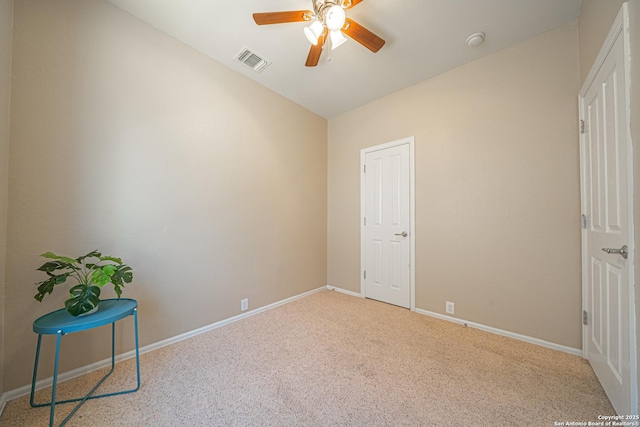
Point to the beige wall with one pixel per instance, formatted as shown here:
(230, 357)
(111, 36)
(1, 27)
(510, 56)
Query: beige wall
(212, 187)
(6, 20)
(497, 188)
(596, 19)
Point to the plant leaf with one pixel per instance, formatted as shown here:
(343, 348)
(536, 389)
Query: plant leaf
(111, 258)
(94, 254)
(122, 275)
(102, 275)
(51, 255)
(46, 286)
(55, 265)
(83, 299)
(60, 278)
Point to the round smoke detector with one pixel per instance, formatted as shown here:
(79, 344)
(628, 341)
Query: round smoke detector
(475, 39)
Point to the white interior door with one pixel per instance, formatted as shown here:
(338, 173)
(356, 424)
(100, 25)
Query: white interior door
(607, 238)
(387, 227)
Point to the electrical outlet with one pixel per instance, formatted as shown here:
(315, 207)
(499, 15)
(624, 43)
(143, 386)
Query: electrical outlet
(450, 307)
(244, 304)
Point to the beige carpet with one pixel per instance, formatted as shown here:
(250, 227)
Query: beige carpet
(332, 359)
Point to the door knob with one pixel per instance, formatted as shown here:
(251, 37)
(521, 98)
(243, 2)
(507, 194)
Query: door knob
(622, 251)
(404, 234)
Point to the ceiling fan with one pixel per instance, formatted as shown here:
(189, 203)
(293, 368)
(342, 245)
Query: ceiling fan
(328, 18)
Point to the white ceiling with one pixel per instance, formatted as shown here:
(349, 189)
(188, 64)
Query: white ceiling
(423, 38)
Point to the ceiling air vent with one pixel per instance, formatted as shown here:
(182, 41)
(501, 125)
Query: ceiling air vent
(252, 59)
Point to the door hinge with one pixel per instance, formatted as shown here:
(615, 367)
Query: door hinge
(365, 220)
(365, 168)
(585, 222)
(365, 274)
(585, 317)
(582, 126)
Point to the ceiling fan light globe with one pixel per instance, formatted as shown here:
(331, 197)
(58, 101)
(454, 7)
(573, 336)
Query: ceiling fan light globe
(337, 39)
(335, 18)
(312, 39)
(313, 32)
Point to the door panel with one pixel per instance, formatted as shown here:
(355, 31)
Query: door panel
(606, 179)
(386, 212)
(377, 263)
(596, 305)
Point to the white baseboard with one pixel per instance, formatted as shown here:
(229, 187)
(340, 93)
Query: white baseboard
(344, 291)
(64, 376)
(525, 338)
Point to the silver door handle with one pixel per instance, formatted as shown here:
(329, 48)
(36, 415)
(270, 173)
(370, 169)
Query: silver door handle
(404, 234)
(624, 251)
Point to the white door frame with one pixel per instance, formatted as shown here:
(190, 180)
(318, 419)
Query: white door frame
(621, 24)
(412, 227)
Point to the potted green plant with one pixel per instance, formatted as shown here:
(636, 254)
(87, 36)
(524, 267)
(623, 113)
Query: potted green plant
(92, 271)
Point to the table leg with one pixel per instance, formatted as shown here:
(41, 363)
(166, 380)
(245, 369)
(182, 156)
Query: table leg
(55, 379)
(135, 326)
(35, 373)
(54, 385)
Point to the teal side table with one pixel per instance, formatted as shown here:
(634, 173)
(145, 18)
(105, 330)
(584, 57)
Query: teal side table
(60, 323)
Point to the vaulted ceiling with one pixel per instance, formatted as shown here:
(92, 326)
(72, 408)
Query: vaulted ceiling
(423, 39)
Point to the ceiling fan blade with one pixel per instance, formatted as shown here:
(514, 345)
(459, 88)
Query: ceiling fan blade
(350, 3)
(363, 36)
(316, 50)
(267, 18)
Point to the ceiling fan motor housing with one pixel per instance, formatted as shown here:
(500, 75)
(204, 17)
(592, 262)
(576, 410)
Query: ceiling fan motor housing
(321, 7)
